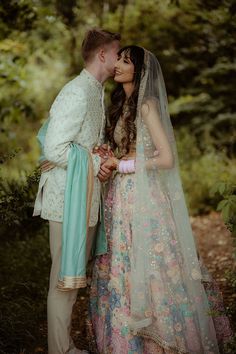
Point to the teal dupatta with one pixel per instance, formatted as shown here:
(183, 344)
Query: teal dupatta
(41, 138)
(77, 204)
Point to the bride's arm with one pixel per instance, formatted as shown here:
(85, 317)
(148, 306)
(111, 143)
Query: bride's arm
(165, 158)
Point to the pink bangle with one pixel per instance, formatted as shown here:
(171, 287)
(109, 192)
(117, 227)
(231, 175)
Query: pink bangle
(126, 166)
(120, 166)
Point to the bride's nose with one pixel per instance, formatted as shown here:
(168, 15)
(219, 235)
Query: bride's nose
(117, 65)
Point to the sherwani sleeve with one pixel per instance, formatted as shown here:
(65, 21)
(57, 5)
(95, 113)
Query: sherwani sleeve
(96, 163)
(66, 118)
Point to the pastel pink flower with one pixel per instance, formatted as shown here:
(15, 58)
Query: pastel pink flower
(173, 242)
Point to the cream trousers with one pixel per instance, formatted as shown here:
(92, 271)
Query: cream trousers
(60, 303)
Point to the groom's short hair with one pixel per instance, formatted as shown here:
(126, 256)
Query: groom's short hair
(96, 38)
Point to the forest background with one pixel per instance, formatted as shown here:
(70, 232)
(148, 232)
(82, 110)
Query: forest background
(40, 40)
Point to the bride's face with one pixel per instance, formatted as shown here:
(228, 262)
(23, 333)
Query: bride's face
(124, 69)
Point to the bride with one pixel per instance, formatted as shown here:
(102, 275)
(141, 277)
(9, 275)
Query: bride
(148, 292)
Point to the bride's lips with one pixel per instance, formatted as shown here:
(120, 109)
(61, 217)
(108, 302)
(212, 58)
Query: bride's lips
(117, 72)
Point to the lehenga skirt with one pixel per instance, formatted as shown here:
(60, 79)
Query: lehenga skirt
(110, 287)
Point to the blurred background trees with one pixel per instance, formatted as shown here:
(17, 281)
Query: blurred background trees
(193, 40)
(40, 50)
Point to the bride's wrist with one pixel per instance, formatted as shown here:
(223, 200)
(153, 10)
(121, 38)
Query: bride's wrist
(127, 166)
(115, 163)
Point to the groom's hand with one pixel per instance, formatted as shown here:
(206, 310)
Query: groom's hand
(46, 166)
(107, 167)
(106, 154)
(104, 151)
(104, 173)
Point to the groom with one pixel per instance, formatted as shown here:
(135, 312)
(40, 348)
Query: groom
(77, 119)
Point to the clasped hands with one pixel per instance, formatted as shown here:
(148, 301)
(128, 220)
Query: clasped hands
(108, 161)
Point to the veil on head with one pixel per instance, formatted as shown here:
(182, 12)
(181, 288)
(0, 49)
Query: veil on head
(168, 300)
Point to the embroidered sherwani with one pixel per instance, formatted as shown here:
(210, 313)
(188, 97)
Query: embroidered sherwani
(77, 115)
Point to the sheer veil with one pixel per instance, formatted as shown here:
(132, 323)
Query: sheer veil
(168, 300)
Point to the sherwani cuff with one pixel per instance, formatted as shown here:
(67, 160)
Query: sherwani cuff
(96, 164)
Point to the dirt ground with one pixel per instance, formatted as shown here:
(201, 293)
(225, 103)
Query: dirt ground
(216, 248)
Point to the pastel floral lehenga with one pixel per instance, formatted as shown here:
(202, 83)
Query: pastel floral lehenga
(150, 293)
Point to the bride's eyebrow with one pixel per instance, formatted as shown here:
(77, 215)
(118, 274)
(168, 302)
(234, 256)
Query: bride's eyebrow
(127, 57)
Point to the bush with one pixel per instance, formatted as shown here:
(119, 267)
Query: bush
(226, 191)
(16, 201)
(24, 263)
(201, 171)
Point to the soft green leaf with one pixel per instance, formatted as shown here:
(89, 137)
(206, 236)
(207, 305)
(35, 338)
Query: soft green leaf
(222, 204)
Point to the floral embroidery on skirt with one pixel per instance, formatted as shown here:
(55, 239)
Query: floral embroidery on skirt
(110, 287)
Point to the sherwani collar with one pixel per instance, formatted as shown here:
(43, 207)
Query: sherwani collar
(92, 79)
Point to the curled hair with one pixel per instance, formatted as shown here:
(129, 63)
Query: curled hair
(118, 98)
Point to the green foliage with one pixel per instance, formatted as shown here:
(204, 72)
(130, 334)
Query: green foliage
(201, 172)
(24, 263)
(18, 15)
(226, 191)
(16, 207)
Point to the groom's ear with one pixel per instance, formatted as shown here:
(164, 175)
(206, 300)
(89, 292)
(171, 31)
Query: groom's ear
(101, 55)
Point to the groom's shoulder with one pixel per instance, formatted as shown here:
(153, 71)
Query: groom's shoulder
(70, 91)
(75, 85)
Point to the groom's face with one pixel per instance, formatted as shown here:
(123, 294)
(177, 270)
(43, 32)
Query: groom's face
(111, 56)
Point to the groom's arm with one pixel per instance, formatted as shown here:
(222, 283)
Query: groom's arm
(66, 118)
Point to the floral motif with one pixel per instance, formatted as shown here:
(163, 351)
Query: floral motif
(114, 300)
(172, 308)
(173, 273)
(159, 247)
(178, 327)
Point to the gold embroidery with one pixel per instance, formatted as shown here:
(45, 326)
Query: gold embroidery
(71, 283)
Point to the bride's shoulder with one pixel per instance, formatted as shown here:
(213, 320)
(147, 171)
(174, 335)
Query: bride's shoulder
(147, 106)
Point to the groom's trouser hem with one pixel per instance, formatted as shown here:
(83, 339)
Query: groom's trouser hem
(60, 303)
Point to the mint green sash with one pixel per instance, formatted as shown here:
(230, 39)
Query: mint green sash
(77, 203)
(73, 261)
(41, 138)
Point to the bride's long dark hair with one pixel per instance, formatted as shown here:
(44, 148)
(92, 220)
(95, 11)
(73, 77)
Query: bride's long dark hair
(118, 97)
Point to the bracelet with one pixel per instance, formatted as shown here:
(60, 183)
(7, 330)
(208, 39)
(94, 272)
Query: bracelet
(126, 166)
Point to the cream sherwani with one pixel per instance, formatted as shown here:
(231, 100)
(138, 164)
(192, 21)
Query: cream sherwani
(77, 115)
